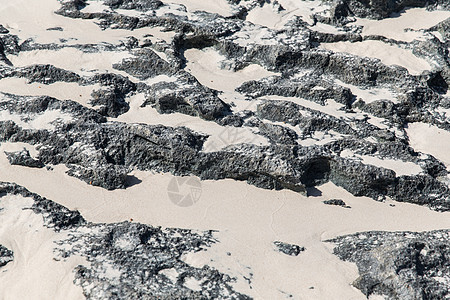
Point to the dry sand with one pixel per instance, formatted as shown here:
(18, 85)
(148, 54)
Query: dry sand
(59, 90)
(430, 139)
(73, 60)
(388, 54)
(249, 220)
(405, 26)
(33, 274)
(221, 7)
(205, 65)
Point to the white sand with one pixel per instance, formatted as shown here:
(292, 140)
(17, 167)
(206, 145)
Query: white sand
(431, 140)
(269, 17)
(249, 220)
(221, 7)
(370, 94)
(396, 26)
(399, 167)
(45, 120)
(33, 274)
(31, 19)
(72, 59)
(325, 28)
(389, 55)
(265, 16)
(205, 66)
(59, 90)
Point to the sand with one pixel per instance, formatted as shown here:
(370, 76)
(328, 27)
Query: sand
(388, 54)
(205, 65)
(58, 90)
(400, 168)
(31, 19)
(221, 7)
(406, 26)
(33, 274)
(430, 139)
(72, 59)
(249, 220)
(269, 17)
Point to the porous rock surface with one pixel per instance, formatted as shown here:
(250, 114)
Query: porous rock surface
(137, 255)
(309, 110)
(6, 256)
(399, 265)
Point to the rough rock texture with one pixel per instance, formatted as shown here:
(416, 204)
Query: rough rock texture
(337, 202)
(23, 158)
(102, 153)
(6, 256)
(55, 215)
(400, 265)
(310, 112)
(288, 249)
(128, 260)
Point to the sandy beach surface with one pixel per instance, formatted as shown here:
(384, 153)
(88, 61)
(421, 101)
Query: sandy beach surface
(247, 219)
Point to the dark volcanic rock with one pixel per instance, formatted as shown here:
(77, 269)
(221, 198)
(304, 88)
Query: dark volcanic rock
(309, 86)
(6, 256)
(111, 104)
(141, 5)
(186, 96)
(380, 9)
(3, 30)
(140, 255)
(145, 64)
(46, 74)
(23, 158)
(288, 249)
(337, 202)
(399, 265)
(55, 215)
(128, 260)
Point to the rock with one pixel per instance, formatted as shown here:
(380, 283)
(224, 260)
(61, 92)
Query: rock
(111, 104)
(55, 29)
(55, 215)
(140, 5)
(337, 202)
(288, 249)
(46, 74)
(399, 265)
(309, 86)
(380, 9)
(23, 158)
(278, 134)
(145, 64)
(6, 256)
(139, 256)
(3, 30)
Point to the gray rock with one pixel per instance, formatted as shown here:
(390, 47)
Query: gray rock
(3, 30)
(137, 254)
(23, 158)
(399, 265)
(337, 202)
(6, 256)
(288, 249)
